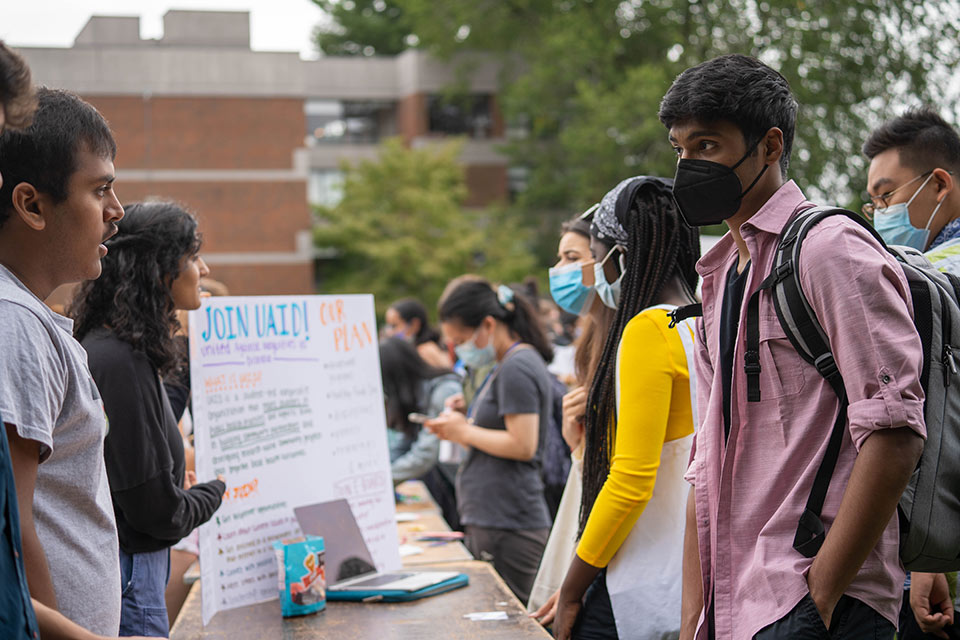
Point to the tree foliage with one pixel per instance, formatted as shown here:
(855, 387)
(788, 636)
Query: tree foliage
(362, 28)
(593, 73)
(583, 79)
(402, 230)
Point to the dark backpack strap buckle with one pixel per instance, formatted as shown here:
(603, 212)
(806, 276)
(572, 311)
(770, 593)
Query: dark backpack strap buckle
(751, 362)
(810, 534)
(680, 314)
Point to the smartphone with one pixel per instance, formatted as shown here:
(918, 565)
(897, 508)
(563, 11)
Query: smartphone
(418, 418)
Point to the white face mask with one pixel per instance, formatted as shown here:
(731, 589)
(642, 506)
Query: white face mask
(609, 293)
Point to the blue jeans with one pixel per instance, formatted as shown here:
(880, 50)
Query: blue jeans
(143, 610)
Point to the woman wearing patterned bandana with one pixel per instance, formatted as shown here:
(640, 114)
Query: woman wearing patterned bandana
(624, 581)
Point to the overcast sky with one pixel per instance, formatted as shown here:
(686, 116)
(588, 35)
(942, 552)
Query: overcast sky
(275, 25)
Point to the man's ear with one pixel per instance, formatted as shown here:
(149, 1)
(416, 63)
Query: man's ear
(773, 146)
(30, 205)
(944, 182)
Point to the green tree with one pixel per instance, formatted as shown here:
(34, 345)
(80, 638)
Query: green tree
(362, 28)
(402, 230)
(592, 72)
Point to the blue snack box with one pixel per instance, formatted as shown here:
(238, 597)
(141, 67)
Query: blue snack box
(301, 575)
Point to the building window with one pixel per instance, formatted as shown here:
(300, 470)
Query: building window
(325, 187)
(349, 121)
(466, 115)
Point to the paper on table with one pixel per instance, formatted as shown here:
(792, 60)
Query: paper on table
(486, 615)
(288, 406)
(410, 550)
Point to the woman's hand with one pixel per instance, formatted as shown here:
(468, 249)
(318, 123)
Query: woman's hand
(574, 408)
(456, 403)
(450, 425)
(567, 612)
(575, 584)
(189, 479)
(546, 614)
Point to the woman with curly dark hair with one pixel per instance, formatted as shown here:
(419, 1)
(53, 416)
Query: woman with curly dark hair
(126, 320)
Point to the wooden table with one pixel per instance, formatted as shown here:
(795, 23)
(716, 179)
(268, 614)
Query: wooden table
(440, 616)
(428, 518)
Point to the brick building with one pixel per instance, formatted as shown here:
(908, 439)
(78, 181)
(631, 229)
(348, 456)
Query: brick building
(250, 139)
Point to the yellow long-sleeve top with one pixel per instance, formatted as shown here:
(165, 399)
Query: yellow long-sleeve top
(653, 387)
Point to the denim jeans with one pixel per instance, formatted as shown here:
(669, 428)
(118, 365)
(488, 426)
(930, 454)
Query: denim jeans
(143, 610)
(851, 620)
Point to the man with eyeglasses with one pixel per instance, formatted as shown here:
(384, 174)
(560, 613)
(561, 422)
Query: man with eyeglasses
(914, 161)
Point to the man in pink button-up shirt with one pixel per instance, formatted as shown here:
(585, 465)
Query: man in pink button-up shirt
(730, 120)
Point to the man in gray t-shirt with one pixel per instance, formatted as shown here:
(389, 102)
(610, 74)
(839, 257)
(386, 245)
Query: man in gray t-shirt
(57, 207)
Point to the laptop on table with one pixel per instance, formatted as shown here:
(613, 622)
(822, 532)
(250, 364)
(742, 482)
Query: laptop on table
(350, 570)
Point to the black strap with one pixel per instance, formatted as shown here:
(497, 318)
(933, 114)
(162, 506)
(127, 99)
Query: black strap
(810, 531)
(680, 314)
(751, 356)
(805, 333)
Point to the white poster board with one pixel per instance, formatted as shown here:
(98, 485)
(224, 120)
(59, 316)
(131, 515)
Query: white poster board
(288, 406)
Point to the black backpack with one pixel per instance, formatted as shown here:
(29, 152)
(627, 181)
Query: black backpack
(929, 509)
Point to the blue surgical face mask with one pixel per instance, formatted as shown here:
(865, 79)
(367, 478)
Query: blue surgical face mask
(893, 223)
(473, 356)
(609, 293)
(568, 290)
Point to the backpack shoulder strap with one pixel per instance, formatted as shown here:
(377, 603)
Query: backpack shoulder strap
(807, 336)
(794, 312)
(680, 314)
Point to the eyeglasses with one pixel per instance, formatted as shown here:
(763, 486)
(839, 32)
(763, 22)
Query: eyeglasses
(882, 201)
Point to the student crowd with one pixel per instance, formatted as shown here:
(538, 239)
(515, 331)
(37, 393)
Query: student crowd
(656, 494)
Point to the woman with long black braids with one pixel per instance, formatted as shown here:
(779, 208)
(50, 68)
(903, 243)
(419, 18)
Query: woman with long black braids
(625, 578)
(126, 320)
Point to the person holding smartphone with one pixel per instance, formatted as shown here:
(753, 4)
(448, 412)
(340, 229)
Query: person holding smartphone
(499, 485)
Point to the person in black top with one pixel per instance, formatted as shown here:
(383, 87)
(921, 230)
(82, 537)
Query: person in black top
(126, 321)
